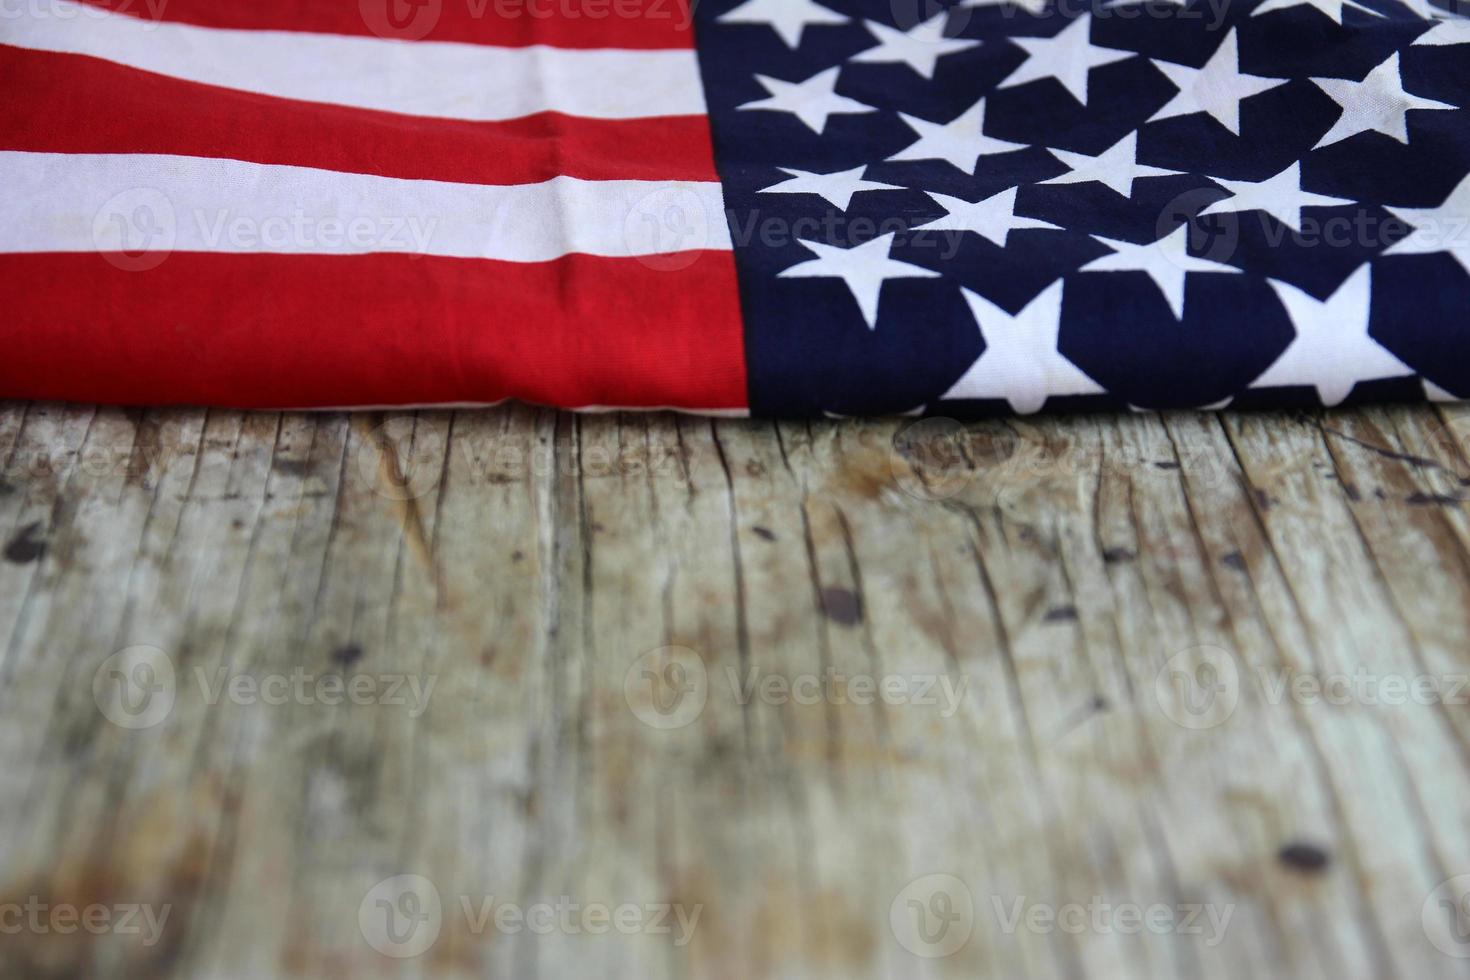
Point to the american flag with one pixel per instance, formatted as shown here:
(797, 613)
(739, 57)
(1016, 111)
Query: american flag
(784, 207)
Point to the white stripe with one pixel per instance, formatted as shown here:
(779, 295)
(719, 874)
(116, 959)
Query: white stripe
(65, 202)
(456, 81)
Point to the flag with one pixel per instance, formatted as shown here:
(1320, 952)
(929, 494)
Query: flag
(782, 207)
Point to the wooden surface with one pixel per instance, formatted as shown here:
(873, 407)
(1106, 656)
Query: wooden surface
(1098, 638)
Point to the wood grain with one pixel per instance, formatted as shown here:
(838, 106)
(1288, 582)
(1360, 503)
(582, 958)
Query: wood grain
(1142, 696)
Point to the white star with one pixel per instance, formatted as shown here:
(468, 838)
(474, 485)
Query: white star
(1117, 166)
(1166, 261)
(836, 189)
(789, 18)
(1377, 104)
(811, 101)
(992, 219)
(1332, 351)
(1021, 361)
(1068, 57)
(1446, 32)
(1442, 229)
(1218, 88)
(1033, 7)
(961, 141)
(919, 48)
(1435, 393)
(1281, 197)
(864, 268)
(1328, 8)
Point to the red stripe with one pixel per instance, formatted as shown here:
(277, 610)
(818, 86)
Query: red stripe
(76, 104)
(642, 24)
(269, 331)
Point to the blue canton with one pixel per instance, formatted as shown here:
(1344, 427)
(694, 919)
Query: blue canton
(1016, 205)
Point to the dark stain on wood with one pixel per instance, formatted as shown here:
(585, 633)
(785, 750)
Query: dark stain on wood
(1303, 857)
(1233, 559)
(1421, 499)
(1061, 614)
(291, 467)
(842, 605)
(1113, 556)
(148, 448)
(347, 654)
(27, 545)
(1263, 499)
(764, 533)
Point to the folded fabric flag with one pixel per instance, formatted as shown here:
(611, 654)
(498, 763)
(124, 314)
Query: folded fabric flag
(777, 206)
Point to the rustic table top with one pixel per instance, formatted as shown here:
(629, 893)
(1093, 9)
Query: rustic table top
(515, 693)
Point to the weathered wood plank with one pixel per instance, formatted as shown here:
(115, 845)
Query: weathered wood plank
(1099, 696)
